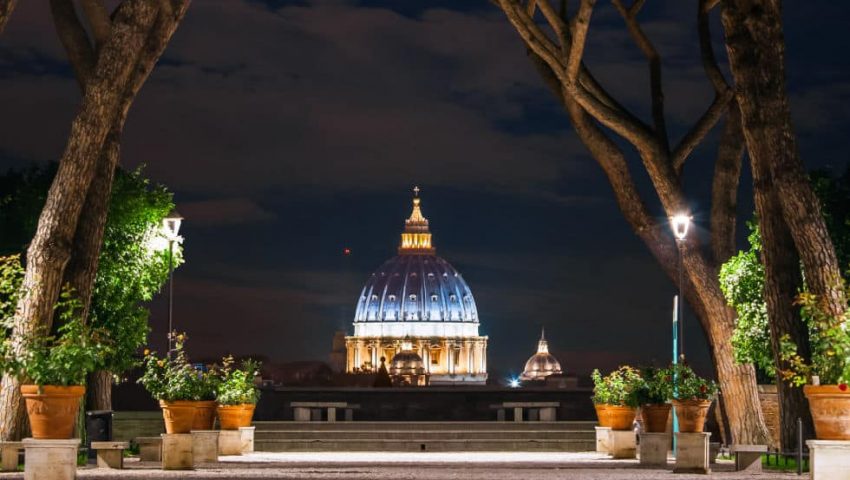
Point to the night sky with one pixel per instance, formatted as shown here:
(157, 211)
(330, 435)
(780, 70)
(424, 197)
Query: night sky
(292, 130)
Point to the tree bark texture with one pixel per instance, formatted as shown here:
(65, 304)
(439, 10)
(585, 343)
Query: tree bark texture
(50, 249)
(594, 114)
(99, 391)
(756, 49)
(6, 8)
(782, 282)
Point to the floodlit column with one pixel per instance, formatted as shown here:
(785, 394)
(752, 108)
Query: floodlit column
(467, 350)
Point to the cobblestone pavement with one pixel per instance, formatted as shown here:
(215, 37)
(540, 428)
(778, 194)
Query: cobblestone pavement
(417, 466)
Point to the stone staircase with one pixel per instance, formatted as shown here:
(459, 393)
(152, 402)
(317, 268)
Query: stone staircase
(424, 436)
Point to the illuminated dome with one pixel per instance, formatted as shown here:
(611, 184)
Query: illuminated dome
(416, 293)
(541, 364)
(417, 311)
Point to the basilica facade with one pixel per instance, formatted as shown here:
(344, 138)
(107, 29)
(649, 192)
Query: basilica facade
(418, 304)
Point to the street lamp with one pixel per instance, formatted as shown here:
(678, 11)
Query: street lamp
(680, 223)
(170, 229)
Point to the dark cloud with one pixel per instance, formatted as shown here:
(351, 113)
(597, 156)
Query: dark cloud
(290, 130)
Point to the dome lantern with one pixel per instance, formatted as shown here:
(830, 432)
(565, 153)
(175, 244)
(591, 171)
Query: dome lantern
(416, 238)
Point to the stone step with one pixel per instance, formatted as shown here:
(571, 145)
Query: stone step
(305, 434)
(492, 445)
(468, 426)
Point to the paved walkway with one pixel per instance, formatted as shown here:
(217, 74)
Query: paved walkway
(417, 466)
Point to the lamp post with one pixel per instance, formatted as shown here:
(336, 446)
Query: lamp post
(680, 224)
(170, 229)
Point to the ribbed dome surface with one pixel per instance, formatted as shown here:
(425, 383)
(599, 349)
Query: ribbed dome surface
(540, 366)
(410, 288)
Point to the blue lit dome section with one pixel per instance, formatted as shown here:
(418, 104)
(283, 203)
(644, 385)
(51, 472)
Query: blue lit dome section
(416, 288)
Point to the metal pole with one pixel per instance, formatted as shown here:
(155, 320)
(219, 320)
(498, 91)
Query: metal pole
(681, 298)
(799, 446)
(675, 361)
(170, 291)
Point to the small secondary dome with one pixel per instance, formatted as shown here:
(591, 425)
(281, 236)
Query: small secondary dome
(541, 364)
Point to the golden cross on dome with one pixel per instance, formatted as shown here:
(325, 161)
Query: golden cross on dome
(416, 191)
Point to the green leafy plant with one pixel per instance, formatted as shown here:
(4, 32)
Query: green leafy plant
(236, 385)
(206, 384)
(742, 283)
(616, 387)
(829, 338)
(655, 387)
(171, 377)
(64, 359)
(689, 385)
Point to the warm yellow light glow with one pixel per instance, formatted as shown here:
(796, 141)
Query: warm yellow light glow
(680, 224)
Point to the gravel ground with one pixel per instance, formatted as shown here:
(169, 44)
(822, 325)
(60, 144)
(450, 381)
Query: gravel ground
(415, 466)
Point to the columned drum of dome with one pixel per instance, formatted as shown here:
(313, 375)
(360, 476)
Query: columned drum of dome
(419, 296)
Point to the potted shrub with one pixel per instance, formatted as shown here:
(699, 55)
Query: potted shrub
(53, 369)
(653, 395)
(601, 398)
(615, 391)
(237, 395)
(172, 381)
(826, 376)
(206, 386)
(692, 396)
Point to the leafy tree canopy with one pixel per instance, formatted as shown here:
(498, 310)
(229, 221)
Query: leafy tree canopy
(133, 264)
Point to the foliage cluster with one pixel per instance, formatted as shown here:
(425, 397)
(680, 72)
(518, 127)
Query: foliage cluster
(616, 387)
(173, 377)
(689, 385)
(237, 384)
(829, 338)
(655, 387)
(742, 283)
(62, 359)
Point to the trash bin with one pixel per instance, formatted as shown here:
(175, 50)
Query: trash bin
(98, 428)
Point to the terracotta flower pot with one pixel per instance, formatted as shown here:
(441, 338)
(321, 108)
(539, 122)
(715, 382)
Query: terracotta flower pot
(691, 414)
(830, 407)
(654, 417)
(621, 417)
(179, 415)
(231, 417)
(53, 411)
(602, 414)
(204, 415)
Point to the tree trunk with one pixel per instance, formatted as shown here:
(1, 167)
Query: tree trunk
(99, 391)
(782, 282)
(50, 249)
(702, 288)
(756, 48)
(82, 268)
(6, 8)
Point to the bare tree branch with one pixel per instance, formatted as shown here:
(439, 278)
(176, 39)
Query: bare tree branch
(651, 54)
(534, 38)
(98, 19)
(709, 62)
(74, 39)
(6, 8)
(700, 129)
(580, 24)
(724, 191)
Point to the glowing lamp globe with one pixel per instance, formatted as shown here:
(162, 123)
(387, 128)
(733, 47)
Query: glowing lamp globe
(680, 224)
(171, 225)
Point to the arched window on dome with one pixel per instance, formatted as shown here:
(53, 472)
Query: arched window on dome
(391, 298)
(434, 297)
(412, 297)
